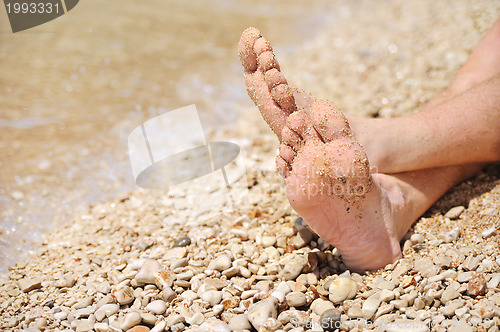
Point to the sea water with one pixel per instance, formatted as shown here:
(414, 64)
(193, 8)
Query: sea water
(72, 89)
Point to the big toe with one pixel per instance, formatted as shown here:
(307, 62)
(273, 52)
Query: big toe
(248, 57)
(329, 121)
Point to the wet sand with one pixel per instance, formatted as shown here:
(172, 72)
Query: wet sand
(371, 61)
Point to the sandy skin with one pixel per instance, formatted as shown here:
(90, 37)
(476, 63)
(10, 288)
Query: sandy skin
(327, 171)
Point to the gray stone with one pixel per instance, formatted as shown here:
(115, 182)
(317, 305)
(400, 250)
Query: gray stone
(330, 319)
(182, 242)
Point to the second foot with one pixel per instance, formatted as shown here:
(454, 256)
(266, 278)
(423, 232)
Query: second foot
(328, 183)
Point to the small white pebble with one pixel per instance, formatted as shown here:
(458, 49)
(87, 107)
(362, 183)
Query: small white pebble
(489, 232)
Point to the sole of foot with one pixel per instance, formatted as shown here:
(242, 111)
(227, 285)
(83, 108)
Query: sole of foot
(326, 171)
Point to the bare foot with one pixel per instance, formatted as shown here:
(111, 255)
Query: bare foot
(326, 171)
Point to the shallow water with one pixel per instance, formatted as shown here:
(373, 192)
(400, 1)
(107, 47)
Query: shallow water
(71, 91)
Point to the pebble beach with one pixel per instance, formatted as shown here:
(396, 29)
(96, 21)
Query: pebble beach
(130, 264)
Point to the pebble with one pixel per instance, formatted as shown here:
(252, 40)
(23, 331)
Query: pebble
(182, 242)
(330, 320)
(303, 237)
(148, 272)
(148, 318)
(67, 281)
(159, 326)
(341, 289)
(221, 263)
(80, 313)
(454, 212)
(425, 267)
(293, 267)
(454, 233)
(214, 325)
(130, 320)
(101, 327)
(157, 307)
(417, 238)
(268, 241)
(450, 293)
(386, 295)
(476, 285)
(174, 319)
(106, 310)
(472, 262)
(61, 315)
(29, 284)
(83, 303)
(370, 306)
(489, 232)
(139, 328)
(259, 312)
(296, 299)
(213, 297)
(83, 325)
(449, 309)
(494, 281)
(125, 295)
(319, 306)
(168, 294)
(283, 287)
(239, 322)
(197, 319)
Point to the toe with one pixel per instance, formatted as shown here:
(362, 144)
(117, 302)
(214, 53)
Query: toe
(274, 78)
(300, 123)
(246, 51)
(283, 96)
(267, 61)
(281, 92)
(262, 45)
(329, 121)
(287, 153)
(291, 138)
(283, 167)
